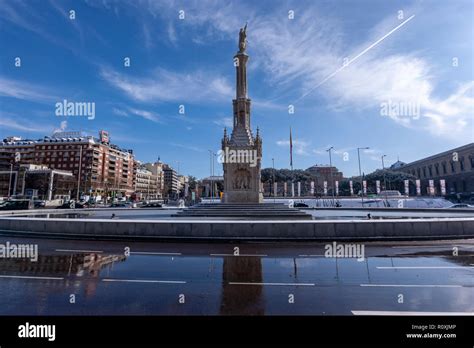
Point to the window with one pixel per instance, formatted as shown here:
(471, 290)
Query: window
(461, 163)
(452, 167)
(424, 172)
(430, 171)
(444, 168)
(437, 170)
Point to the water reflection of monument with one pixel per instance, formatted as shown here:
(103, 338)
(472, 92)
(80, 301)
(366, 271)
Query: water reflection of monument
(242, 299)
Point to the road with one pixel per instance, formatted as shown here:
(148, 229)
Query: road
(335, 214)
(263, 279)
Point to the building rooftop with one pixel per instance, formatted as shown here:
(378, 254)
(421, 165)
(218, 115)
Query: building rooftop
(444, 153)
(59, 137)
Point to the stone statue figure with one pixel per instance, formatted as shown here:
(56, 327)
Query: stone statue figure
(242, 180)
(243, 38)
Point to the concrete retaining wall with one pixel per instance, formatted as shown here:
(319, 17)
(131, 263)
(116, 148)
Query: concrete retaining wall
(198, 229)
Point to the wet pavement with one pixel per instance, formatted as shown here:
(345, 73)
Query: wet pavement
(108, 278)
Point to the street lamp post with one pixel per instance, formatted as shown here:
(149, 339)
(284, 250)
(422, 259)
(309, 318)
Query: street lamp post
(210, 171)
(273, 180)
(16, 159)
(330, 169)
(10, 180)
(214, 157)
(360, 173)
(384, 179)
(148, 188)
(79, 173)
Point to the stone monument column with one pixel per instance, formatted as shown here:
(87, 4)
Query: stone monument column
(243, 162)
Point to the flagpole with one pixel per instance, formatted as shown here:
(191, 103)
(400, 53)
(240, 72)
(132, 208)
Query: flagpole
(291, 151)
(291, 165)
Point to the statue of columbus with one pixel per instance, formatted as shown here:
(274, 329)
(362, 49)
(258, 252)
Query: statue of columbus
(243, 38)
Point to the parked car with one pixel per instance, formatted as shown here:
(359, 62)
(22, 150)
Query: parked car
(121, 205)
(300, 205)
(152, 204)
(72, 205)
(461, 206)
(39, 203)
(16, 204)
(390, 193)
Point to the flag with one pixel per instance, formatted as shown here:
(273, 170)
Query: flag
(291, 150)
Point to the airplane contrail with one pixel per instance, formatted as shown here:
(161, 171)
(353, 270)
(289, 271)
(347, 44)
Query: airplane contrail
(356, 57)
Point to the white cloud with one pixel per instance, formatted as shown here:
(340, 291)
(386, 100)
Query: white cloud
(300, 147)
(147, 36)
(147, 115)
(119, 112)
(25, 91)
(172, 33)
(302, 52)
(188, 147)
(166, 86)
(225, 122)
(13, 122)
(453, 116)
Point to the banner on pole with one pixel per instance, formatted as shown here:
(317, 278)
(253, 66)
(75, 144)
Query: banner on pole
(299, 189)
(432, 189)
(442, 183)
(312, 187)
(351, 188)
(337, 188)
(418, 187)
(377, 186)
(364, 185)
(325, 185)
(407, 187)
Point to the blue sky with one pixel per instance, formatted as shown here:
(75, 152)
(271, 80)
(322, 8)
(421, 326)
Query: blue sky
(189, 62)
